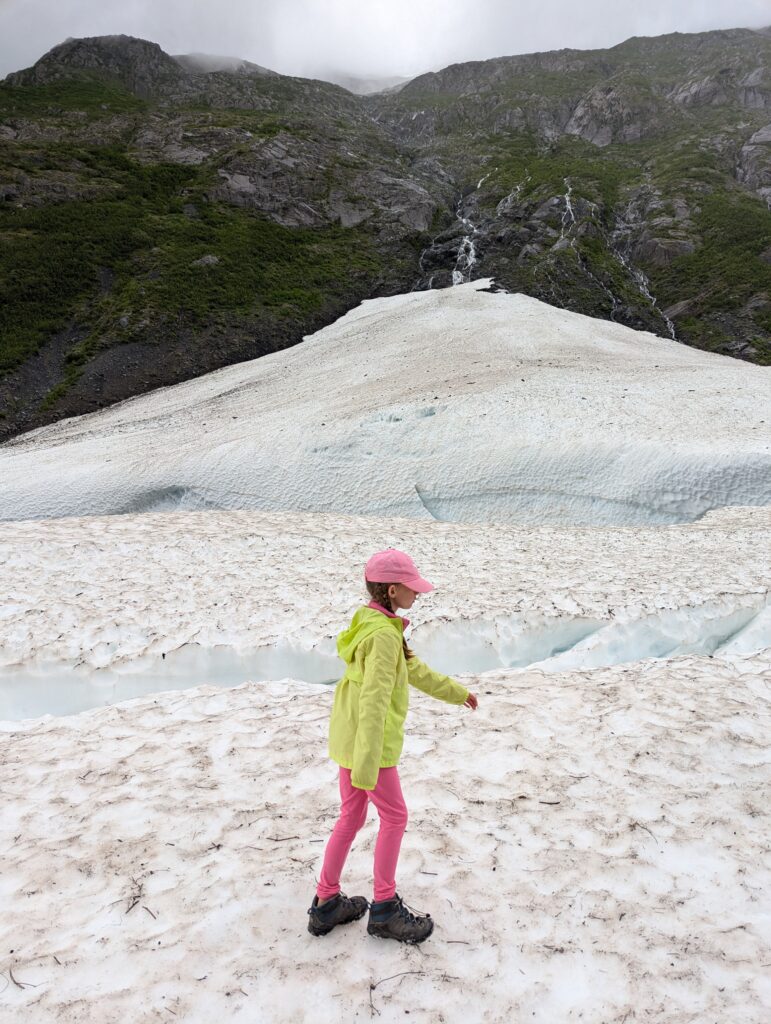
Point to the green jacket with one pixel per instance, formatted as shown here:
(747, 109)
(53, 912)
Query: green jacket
(366, 728)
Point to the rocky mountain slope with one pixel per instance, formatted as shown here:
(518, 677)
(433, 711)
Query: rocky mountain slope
(630, 183)
(162, 216)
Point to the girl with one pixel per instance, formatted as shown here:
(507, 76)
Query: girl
(365, 738)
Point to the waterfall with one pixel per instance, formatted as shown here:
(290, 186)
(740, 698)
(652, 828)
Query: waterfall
(568, 209)
(644, 285)
(467, 254)
(623, 228)
(512, 199)
(467, 257)
(642, 282)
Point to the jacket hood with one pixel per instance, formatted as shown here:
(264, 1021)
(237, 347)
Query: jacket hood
(365, 622)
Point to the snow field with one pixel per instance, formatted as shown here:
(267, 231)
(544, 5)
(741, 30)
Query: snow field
(592, 845)
(468, 645)
(593, 842)
(450, 405)
(139, 604)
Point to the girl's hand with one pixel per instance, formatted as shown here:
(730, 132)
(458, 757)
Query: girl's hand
(471, 701)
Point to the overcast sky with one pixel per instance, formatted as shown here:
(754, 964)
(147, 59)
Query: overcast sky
(362, 37)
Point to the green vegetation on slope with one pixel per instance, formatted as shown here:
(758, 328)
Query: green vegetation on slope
(725, 271)
(51, 257)
(93, 96)
(595, 174)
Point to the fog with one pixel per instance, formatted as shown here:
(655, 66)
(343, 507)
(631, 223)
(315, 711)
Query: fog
(397, 38)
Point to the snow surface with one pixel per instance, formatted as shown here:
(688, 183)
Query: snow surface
(457, 404)
(591, 845)
(592, 842)
(167, 600)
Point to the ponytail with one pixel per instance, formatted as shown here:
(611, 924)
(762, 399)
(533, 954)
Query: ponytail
(379, 592)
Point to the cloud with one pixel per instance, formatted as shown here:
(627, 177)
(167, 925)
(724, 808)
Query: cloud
(398, 37)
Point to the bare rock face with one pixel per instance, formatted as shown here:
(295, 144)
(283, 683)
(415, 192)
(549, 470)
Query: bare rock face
(706, 92)
(661, 251)
(607, 116)
(182, 140)
(287, 179)
(754, 167)
(143, 67)
(755, 89)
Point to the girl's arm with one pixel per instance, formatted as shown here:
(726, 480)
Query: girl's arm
(380, 663)
(434, 683)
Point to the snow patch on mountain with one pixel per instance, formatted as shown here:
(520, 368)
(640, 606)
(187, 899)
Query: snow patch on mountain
(457, 404)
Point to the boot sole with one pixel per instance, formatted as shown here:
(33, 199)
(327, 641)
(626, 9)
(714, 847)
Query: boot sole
(315, 929)
(399, 938)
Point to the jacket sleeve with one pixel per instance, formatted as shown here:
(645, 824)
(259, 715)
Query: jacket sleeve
(434, 683)
(381, 658)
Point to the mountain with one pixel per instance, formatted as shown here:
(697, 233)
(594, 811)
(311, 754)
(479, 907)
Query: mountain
(161, 217)
(450, 404)
(603, 178)
(207, 63)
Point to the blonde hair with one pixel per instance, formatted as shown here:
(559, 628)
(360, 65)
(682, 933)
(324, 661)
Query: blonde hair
(379, 592)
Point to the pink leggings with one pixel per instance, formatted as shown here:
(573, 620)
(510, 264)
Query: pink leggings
(387, 797)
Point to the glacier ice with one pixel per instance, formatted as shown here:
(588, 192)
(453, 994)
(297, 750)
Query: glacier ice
(732, 627)
(458, 404)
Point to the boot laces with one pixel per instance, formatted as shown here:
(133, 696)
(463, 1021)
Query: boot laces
(404, 912)
(345, 900)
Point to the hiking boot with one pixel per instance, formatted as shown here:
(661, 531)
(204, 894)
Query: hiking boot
(340, 909)
(390, 919)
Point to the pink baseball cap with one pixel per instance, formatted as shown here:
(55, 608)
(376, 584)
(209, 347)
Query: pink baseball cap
(392, 566)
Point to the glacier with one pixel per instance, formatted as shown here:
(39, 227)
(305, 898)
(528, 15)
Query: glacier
(592, 505)
(465, 649)
(461, 404)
